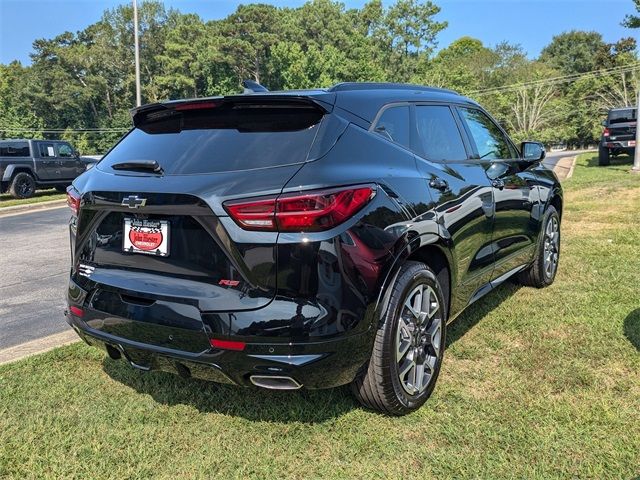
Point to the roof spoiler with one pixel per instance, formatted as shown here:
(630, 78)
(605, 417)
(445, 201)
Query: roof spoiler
(157, 111)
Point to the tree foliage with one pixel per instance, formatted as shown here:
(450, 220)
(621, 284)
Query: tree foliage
(85, 80)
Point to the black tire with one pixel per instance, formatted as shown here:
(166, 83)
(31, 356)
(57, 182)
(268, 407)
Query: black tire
(539, 275)
(604, 156)
(61, 188)
(22, 185)
(378, 386)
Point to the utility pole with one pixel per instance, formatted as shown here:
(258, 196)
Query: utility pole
(636, 158)
(137, 52)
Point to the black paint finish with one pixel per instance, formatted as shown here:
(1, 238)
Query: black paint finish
(307, 304)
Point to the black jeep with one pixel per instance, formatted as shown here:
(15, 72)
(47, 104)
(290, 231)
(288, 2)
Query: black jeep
(619, 134)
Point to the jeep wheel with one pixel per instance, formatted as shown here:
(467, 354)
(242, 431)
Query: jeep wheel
(22, 186)
(604, 157)
(409, 345)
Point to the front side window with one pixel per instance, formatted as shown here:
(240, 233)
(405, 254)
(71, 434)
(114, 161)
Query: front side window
(47, 150)
(394, 123)
(489, 139)
(65, 151)
(439, 134)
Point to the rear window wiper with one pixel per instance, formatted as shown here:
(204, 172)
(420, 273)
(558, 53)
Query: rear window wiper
(139, 166)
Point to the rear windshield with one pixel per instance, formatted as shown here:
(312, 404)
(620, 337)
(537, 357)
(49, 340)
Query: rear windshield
(622, 116)
(222, 139)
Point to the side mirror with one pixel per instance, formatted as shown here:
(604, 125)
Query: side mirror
(532, 151)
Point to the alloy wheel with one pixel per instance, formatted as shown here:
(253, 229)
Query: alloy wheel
(551, 246)
(419, 339)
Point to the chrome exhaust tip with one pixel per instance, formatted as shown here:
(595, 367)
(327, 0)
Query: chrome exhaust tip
(274, 382)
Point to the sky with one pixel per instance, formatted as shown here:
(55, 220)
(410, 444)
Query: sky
(530, 23)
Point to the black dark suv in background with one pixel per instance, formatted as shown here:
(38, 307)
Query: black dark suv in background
(306, 238)
(26, 165)
(619, 134)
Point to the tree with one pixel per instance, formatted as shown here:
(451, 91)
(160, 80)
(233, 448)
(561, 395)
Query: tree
(573, 52)
(633, 21)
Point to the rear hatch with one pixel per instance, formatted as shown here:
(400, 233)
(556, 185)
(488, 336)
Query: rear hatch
(622, 124)
(154, 246)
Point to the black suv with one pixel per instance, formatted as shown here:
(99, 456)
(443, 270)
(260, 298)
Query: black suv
(306, 238)
(29, 164)
(619, 134)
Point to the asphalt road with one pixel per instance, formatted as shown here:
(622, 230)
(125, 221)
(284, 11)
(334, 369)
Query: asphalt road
(33, 271)
(34, 264)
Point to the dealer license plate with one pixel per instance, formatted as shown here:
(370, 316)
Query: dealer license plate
(146, 236)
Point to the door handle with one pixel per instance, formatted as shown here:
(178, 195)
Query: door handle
(497, 183)
(439, 184)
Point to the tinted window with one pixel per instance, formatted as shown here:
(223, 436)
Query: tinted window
(221, 139)
(439, 134)
(394, 124)
(622, 116)
(65, 151)
(489, 139)
(14, 149)
(47, 150)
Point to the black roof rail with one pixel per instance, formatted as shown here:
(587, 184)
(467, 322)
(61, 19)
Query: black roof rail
(253, 87)
(347, 86)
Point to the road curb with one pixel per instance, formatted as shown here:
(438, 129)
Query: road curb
(40, 345)
(563, 169)
(32, 207)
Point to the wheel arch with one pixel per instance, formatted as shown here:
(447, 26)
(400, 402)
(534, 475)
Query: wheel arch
(12, 170)
(556, 202)
(430, 249)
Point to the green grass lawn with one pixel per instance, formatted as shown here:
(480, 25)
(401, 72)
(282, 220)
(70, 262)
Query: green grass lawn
(535, 384)
(7, 200)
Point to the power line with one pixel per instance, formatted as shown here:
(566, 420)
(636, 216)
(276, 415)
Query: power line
(559, 80)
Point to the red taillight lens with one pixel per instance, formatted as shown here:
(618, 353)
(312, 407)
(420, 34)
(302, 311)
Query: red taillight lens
(311, 212)
(253, 215)
(73, 200)
(77, 311)
(605, 133)
(227, 344)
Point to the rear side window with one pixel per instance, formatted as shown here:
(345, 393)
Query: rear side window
(622, 116)
(439, 135)
(222, 139)
(489, 139)
(14, 149)
(47, 150)
(394, 123)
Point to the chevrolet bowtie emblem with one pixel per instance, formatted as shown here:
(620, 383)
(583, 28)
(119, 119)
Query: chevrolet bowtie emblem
(133, 201)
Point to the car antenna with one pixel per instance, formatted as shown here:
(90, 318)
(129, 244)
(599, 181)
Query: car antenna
(253, 87)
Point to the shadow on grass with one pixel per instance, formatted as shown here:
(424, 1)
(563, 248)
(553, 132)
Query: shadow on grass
(306, 406)
(614, 161)
(631, 328)
(477, 311)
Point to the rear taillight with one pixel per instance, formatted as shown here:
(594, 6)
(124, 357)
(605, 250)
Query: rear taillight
(73, 200)
(605, 133)
(227, 344)
(310, 212)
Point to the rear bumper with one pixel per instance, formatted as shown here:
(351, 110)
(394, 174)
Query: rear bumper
(625, 145)
(313, 365)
